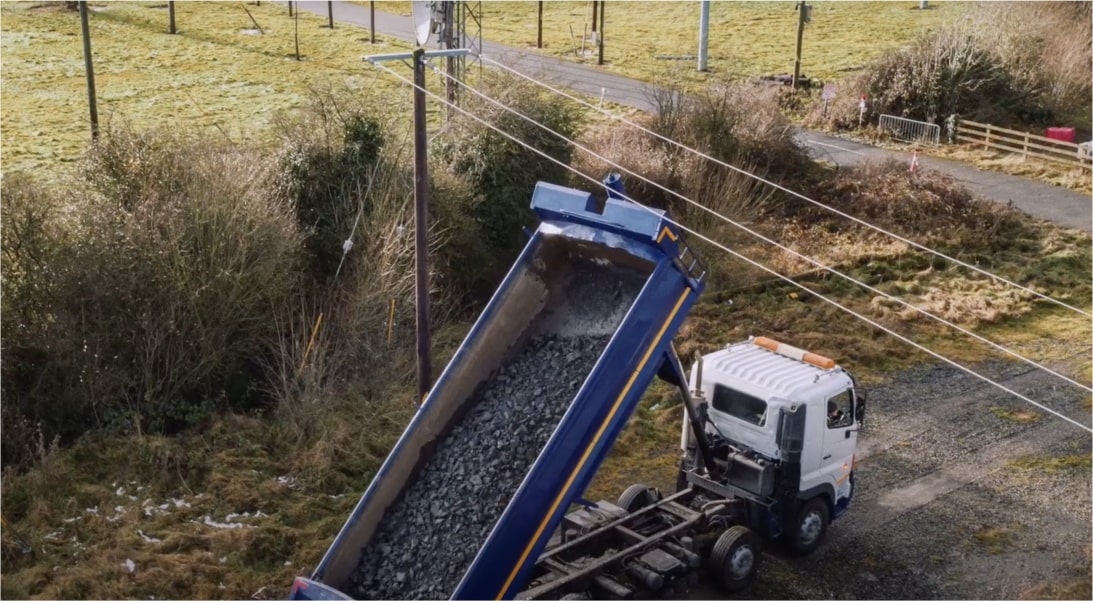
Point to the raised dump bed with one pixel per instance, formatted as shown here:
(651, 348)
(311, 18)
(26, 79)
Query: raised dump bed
(524, 413)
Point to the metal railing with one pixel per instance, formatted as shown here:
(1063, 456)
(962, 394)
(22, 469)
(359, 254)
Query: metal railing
(910, 130)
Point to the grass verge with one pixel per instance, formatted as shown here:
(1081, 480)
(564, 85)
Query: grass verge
(745, 38)
(217, 74)
(1056, 174)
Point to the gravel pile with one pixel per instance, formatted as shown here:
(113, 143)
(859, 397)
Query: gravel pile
(427, 540)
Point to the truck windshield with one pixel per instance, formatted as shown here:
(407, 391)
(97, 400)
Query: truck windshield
(739, 405)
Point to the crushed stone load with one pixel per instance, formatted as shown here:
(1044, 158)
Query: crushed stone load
(427, 540)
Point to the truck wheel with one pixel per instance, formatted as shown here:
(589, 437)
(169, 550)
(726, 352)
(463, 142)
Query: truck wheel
(810, 526)
(734, 558)
(637, 496)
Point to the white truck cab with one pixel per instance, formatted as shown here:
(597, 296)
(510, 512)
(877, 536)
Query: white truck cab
(787, 421)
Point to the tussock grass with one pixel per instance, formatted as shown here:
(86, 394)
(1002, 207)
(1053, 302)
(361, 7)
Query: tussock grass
(1079, 463)
(1058, 174)
(994, 540)
(1019, 415)
(218, 514)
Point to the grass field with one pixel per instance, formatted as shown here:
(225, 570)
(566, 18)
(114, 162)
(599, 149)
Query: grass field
(745, 38)
(216, 74)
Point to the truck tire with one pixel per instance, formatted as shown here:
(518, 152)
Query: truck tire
(810, 526)
(734, 558)
(637, 496)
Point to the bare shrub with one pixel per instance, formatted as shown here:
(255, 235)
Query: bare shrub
(737, 123)
(1046, 46)
(1007, 63)
(157, 291)
(359, 321)
(500, 172)
(927, 206)
(947, 72)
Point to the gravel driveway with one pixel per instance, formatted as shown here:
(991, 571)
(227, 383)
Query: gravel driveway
(955, 499)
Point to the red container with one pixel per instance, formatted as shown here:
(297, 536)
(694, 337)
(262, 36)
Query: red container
(1066, 134)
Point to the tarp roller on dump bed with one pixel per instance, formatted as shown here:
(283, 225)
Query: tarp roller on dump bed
(520, 419)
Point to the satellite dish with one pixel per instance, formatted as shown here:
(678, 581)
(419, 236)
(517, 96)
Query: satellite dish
(422, 14)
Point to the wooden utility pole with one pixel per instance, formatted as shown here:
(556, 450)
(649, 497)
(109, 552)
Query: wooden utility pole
(330, 13)
(449, 40)
(290, 8)
(296, 29)
(802, 18)
(372, 18)
(90, 71)
(171, 18)
(421, 205)
(703, 34)
(602, 4)
(421, 227)
(539, 38)
(594, 9)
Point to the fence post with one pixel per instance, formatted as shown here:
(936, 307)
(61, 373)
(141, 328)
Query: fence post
(987, 137)
(1024, 149)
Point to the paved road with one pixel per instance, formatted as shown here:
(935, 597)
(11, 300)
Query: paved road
(1041, 200)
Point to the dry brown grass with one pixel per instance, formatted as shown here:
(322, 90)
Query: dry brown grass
(1057, 174)
(224, 513)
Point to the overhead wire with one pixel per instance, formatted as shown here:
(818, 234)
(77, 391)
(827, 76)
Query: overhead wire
(768, 240)
(744, 258)
(782, 188)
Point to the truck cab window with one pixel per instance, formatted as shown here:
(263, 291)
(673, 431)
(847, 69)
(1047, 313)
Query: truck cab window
(840, 410)
(739, 405)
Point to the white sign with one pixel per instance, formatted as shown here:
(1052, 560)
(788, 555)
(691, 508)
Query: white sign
(829, 91)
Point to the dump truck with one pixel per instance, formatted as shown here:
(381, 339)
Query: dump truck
(475, 500)
(768, 445)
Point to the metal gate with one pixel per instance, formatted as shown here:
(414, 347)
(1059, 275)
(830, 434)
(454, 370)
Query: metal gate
(910, 130)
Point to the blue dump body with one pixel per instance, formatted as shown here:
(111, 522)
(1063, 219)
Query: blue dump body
(573, 227)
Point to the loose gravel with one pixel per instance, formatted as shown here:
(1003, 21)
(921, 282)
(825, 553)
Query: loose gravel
(936, 479)
(426, 542)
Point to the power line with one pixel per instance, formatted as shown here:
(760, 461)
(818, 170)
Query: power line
(753, 262)
(776, 243)
(783, 188)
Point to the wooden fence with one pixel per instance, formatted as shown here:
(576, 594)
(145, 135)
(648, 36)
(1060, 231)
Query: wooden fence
(1023, 143)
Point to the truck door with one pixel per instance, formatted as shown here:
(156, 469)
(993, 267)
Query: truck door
(840, 441)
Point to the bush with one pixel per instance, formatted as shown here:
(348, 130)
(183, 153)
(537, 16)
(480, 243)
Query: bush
(944, 73)
(737, 123)
(926, 206)
(501, 173)
(1046, 47)
(1009, 64)
(143, 301)
(328, 162)
(345, 330)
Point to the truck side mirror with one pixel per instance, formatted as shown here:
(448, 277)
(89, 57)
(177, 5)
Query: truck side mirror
(859, 406)
(791, 430)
